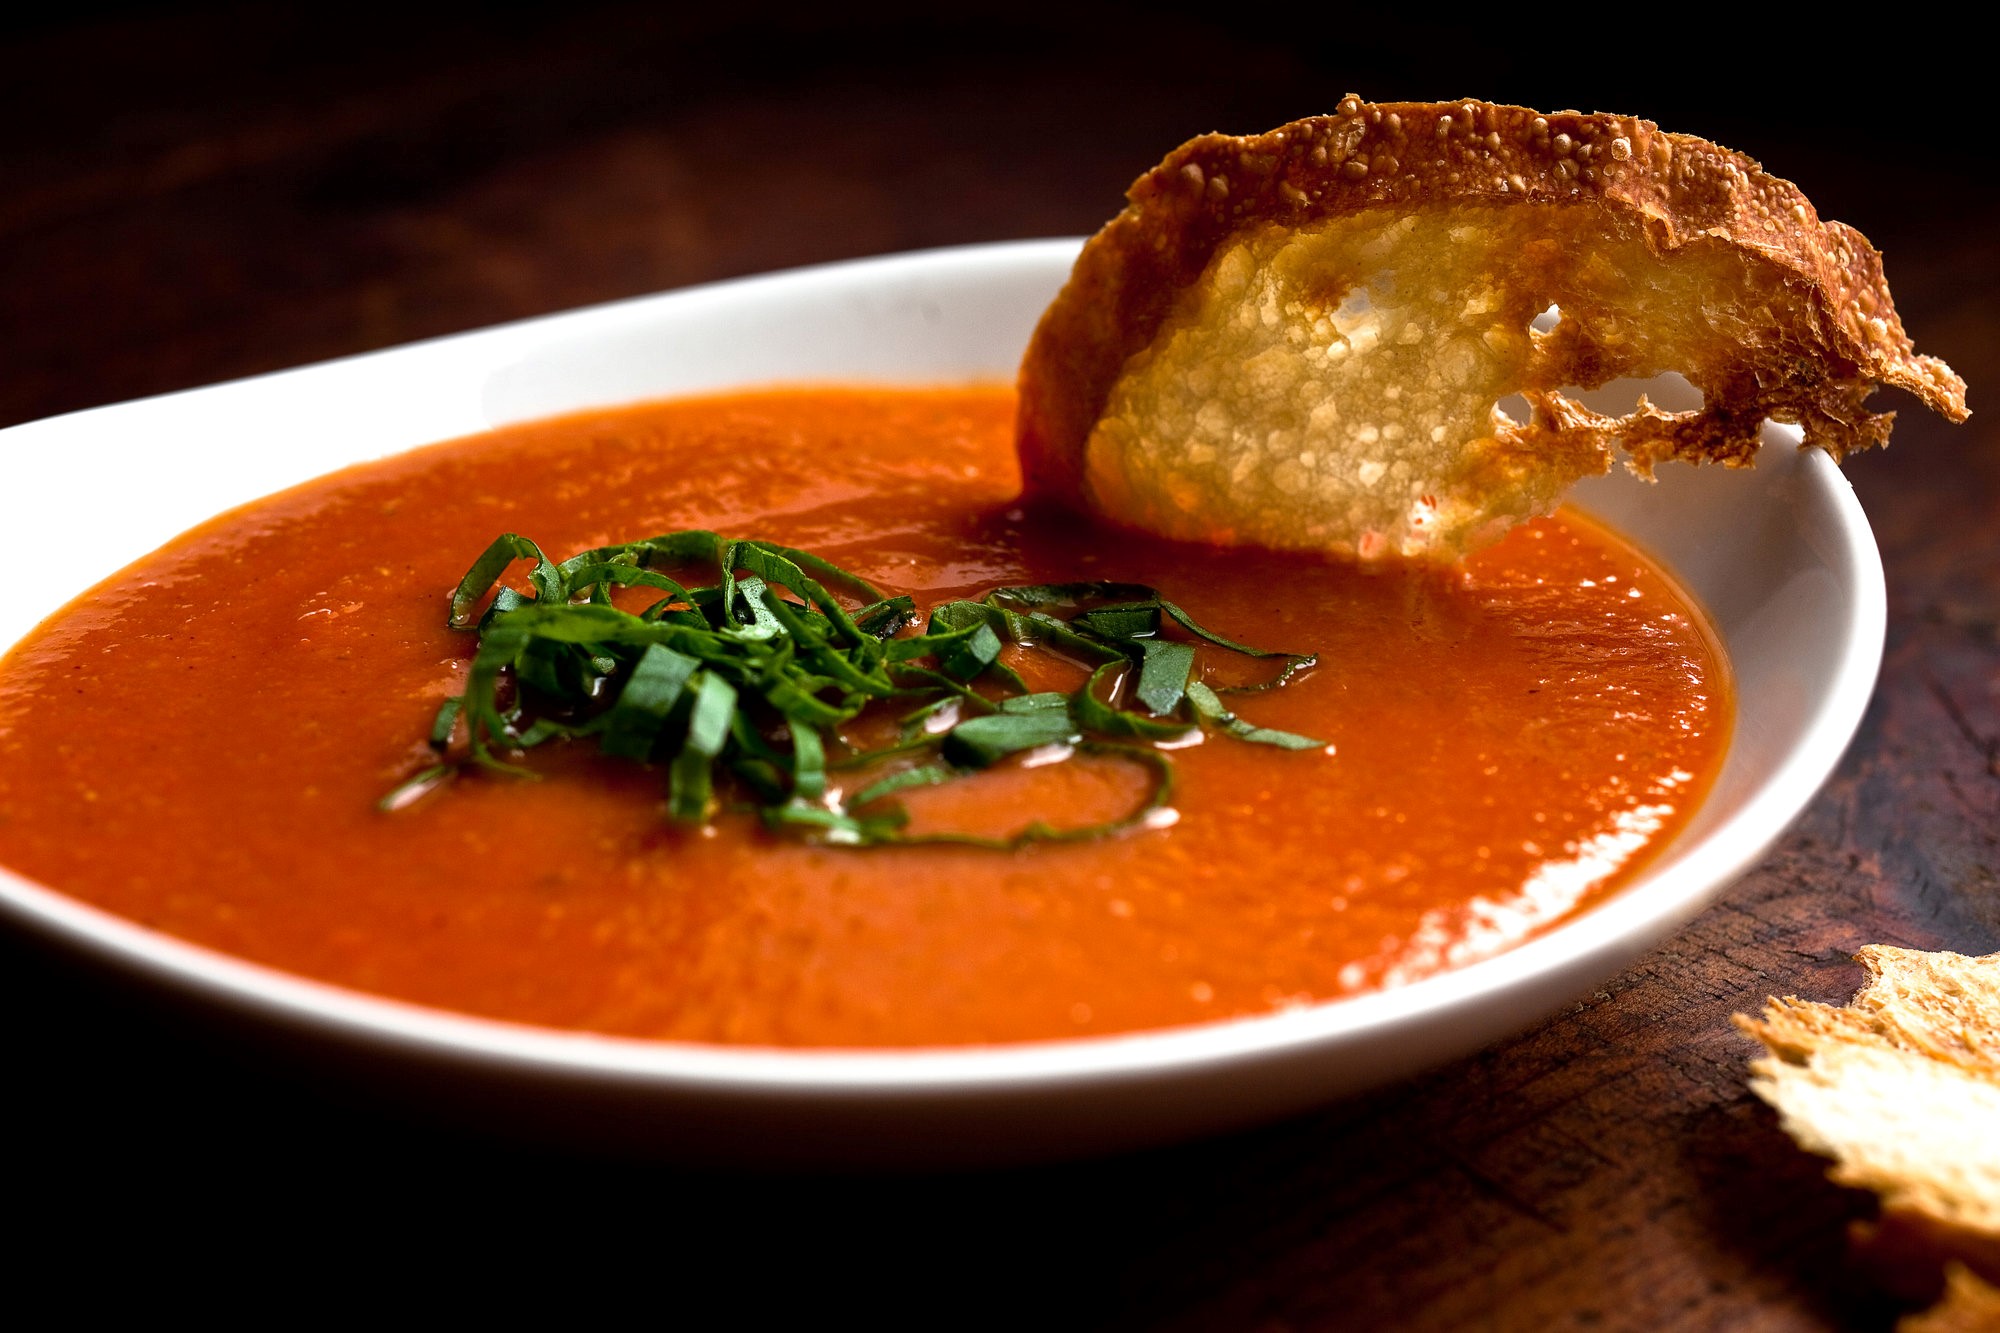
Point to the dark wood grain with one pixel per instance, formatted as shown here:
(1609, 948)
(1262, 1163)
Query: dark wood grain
(190, 195)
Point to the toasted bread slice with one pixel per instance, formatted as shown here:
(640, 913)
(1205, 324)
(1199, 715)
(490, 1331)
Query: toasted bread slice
(1902, 1089)
(1302, 339)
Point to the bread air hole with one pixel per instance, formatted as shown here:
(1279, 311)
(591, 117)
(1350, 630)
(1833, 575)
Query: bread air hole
(1670, 392)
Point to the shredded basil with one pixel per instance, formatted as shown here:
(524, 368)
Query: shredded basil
(741, 678)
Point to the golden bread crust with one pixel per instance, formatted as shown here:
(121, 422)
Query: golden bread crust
(1703, 264)
(1902, 1089)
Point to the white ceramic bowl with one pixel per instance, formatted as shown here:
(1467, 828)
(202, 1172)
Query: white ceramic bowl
(1781, 556)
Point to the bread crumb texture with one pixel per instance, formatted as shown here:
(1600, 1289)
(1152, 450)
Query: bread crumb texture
(1309, 338)
(1901, 1089)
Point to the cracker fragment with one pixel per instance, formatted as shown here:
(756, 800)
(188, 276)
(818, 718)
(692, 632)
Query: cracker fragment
(1901, 1089)
(1302, 339)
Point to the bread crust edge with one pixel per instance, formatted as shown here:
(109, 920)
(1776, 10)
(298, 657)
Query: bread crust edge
(1677, 190)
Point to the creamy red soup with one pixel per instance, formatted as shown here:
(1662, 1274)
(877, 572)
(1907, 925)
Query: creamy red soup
(200, 745)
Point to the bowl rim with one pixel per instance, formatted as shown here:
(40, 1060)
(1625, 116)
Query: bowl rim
(1598, 940)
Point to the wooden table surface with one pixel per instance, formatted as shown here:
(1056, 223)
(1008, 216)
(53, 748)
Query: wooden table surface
(193, 194)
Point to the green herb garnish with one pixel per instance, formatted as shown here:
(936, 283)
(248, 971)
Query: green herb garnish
(754, 670)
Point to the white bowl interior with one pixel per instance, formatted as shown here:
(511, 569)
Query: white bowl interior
(1781, 557)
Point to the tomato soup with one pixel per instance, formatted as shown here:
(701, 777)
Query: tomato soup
(200, 744)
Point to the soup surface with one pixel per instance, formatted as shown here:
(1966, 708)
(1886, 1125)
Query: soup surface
(200, 743)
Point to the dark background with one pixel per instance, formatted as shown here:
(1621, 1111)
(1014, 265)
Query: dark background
(189, 194)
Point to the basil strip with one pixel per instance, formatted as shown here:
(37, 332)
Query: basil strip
(1209, 708)
(886, 618)
(1163, 675)
(624, 576)
(1134, 620)
(981, 742)
(1039, 596)
(1044, 630)
(420, 783)
(756, 672)
(751, 592)
(446, 722)
(488, 568)
(634, 724)
(1100, 717)
(689, 782)
(837, 826)
(924, 775)
(965, 658)
(1156, 797)
(1294, 662)
(808, 761)
(826, 569)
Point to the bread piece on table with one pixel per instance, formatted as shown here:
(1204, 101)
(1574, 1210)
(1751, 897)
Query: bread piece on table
(1301, 339)
(1902, 1089)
